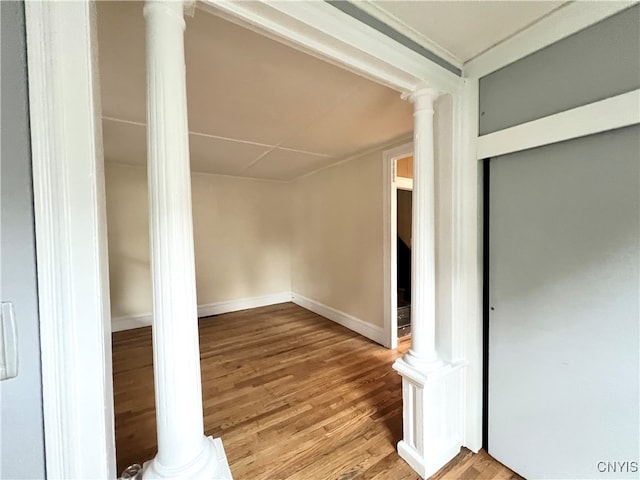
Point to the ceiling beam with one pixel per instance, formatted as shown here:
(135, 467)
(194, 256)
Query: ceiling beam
(327, 33)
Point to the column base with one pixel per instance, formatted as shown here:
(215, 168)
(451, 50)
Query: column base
(426, 466)
(423, 364)
(431, 415)
(210, 464)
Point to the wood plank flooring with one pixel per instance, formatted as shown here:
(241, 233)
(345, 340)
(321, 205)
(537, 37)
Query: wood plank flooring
(291, 394)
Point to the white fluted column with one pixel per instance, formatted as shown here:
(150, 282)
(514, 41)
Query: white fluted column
(430, 387)
(183, 450)
(423, 247)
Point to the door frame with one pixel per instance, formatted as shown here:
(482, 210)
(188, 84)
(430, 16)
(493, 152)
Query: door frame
(390, 187)
(71, 239)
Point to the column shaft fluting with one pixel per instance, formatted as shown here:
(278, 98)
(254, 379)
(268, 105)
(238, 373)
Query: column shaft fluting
(423, 252)
(176, 353)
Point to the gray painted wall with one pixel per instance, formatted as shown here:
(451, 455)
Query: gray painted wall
(564, 354)
(596, 63)
(564, 265)
(21, 437)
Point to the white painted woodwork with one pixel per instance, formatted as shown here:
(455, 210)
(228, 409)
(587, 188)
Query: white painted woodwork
(183, 450)
(71, 242)
(390, 16)
(614, 112)
(358, 325)
(432, 389)
(333, 35)
(404, 183)
(467, 248)
(423, 277)
(570, 19)
(431, 416)
(128, 322)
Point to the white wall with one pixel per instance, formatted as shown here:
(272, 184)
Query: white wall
(337, 243)
(242, 231)
(128, 236)
(241, 236)
(319, 237)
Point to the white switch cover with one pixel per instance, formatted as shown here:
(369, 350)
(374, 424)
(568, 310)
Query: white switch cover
(8, 342)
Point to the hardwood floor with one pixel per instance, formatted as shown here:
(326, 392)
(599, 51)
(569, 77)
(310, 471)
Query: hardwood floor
(291, 394)
(470, 466)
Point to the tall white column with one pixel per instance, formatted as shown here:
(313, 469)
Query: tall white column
(183, 450)
(423, 247)
(430, 387)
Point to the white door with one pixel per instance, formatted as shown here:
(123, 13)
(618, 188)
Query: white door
(564, 285)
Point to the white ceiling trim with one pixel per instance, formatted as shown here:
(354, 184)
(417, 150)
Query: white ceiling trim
(394, 22)
(321, 30)
(560, 24)
(218, 137)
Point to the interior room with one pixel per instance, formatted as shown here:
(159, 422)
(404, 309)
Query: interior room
(320, 239)
(286, 191)
(286, 161)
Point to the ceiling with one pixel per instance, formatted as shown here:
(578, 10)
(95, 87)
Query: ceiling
(460, 30)
(258, 108)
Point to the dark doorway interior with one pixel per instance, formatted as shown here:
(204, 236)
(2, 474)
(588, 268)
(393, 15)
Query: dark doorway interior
(404, 262)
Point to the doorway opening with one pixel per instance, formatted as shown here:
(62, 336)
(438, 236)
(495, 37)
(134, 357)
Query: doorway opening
(404, 195)
(398, 226)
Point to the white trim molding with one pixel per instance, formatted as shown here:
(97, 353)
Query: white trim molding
(431, 416)
(128, 322)
(242, 304)
(71, 241)
(366, 329)
(559, 24)
(374, 9)
(614, 112)
(330, 34)
(69, 198)
(467, 254)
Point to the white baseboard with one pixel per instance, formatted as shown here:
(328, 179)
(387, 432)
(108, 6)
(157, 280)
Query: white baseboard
(130, 322)
(144, 320)
(242, 304)
(365, 329)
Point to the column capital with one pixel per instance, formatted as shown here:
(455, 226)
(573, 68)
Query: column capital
(422, 98)
(189, 7)
(172, 8)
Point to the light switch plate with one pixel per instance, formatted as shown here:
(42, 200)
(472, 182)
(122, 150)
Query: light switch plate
(8, 342)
